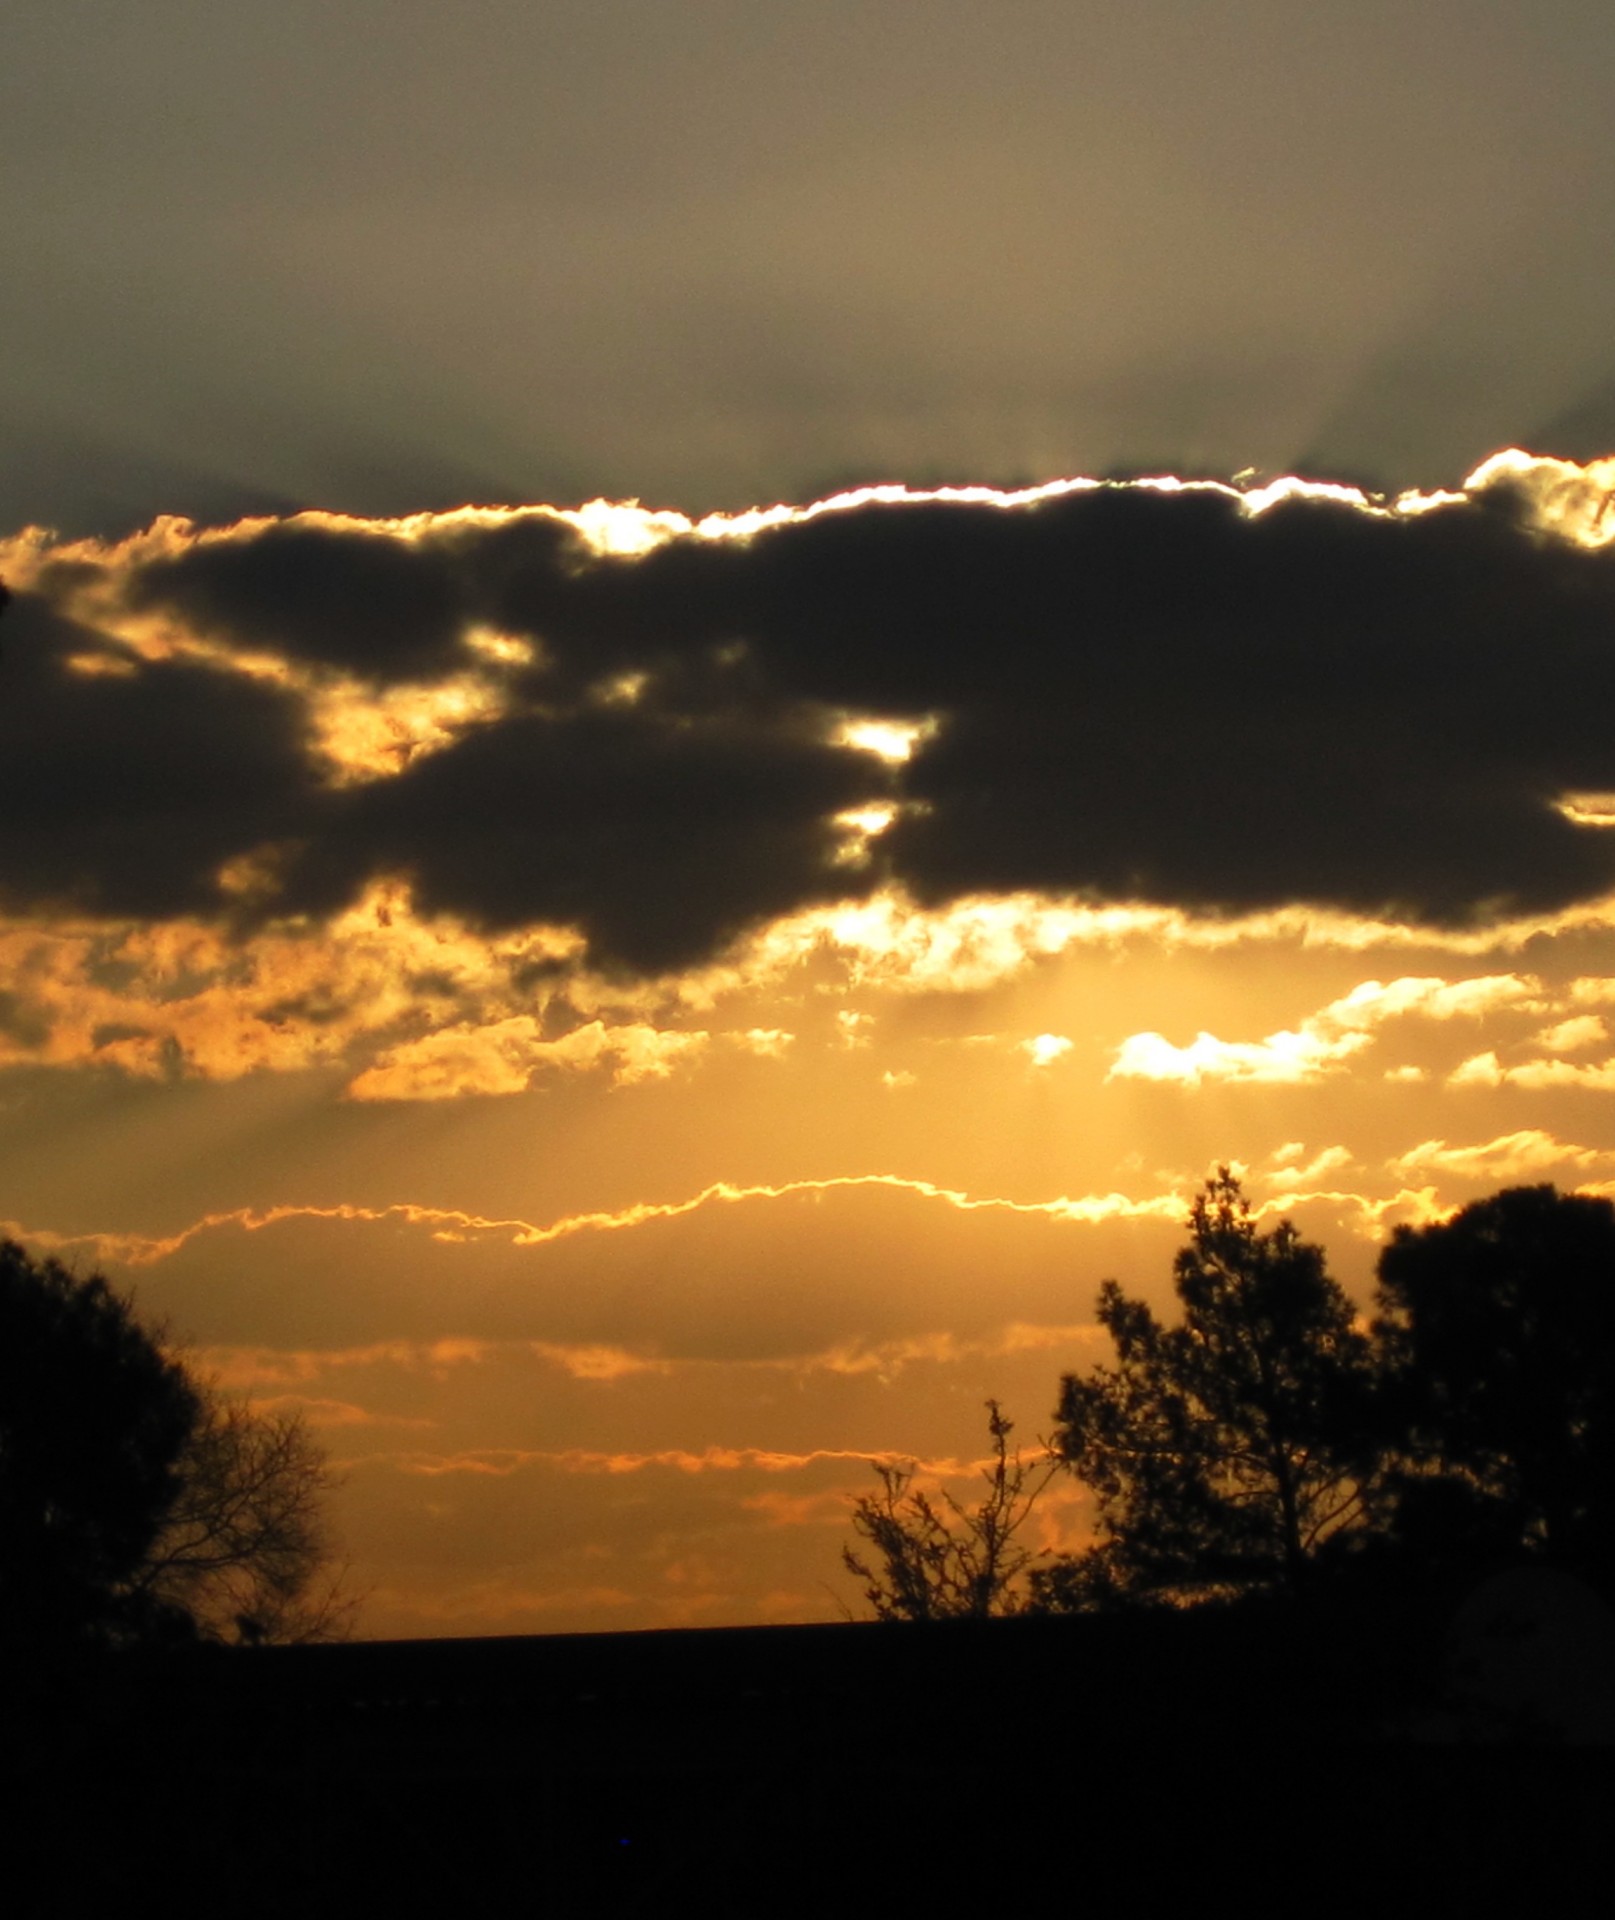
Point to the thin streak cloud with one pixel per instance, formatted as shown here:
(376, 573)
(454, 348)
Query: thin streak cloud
(140, 1250)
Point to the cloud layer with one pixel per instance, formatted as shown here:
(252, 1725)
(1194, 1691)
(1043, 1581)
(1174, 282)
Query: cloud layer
(1132, 692)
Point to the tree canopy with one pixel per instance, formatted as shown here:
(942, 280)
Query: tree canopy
(94, 1423)
(1497, 1336)
(136, 1502)
(1266, 1439)
(1223, 1452)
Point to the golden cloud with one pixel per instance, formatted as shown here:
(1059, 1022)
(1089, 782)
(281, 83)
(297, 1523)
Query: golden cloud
(1525, 1154)
(1328, 1039)
(453, 1224)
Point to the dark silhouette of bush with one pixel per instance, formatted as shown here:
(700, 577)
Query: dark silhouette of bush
(938, 1559)
(136, 1503)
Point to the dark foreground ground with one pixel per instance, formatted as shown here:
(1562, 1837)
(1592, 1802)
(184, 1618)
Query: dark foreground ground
(1088, 1766)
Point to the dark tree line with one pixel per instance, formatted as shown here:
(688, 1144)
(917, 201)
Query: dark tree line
(1269, 1441)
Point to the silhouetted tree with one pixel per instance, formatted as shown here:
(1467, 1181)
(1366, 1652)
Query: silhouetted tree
(135, 1501)
(1497, 1329)
(246, 1551)
(939, 1560)
(94, 1423)
(1224, 1452)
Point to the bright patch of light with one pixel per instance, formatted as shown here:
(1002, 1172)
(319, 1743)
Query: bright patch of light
(861, 824)
(867, 819)
(367, 735)
(1046, 1048)
(1285, 1058)
(1576, 502)
(893, 741)
(1570, 1036)
(93, 666)
(622, 689)
(504, 648)
(623, 527)
(1588, 809)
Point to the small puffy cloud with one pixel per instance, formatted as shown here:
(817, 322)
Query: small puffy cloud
(1525, 1155)
(1543, 1074)
(1288, 1173)
(600, 1363)
(854, 1029)
(894, 1080)
(1045, 1048)
(1369, 1006)
(1280, 1058)
(503, 1057)
(770, 1043)
(1479, 1070)
(1325, 1041)
(1570, 1036)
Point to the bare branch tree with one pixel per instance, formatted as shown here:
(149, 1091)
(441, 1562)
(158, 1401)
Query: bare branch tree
(137, 1501)
(246, 1549)
(937, 1559)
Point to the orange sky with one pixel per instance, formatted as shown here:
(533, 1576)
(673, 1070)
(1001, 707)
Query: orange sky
(605, 1246)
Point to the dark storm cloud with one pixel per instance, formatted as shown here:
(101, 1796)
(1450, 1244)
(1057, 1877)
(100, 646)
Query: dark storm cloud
(1154, 695)
(1137, 694)
(357, 600)
(657, 839)
(124, 791)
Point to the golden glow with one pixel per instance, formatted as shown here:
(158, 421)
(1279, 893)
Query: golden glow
(1588, 809)
(951, 1142)
(1568, 499)
(427, 1008)
(1326, 1041)
(507, 649)
(867, 820)
(1527, 1154)
(368, 733)
(861, 825)
(622, 690)
(893, 741)
(1486, 1070)
(771, 1043)
(1286, 1176)
(105, 666)
(1576, 502)
(1283, 1057)
(1570, 1036)
(273, 1375)
(503, 1057)
(502, 1461)
(451, 1223)
(184, 996)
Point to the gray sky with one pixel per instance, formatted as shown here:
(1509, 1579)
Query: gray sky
(380, 257)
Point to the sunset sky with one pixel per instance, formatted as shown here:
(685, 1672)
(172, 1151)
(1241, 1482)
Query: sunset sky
(623, 1013)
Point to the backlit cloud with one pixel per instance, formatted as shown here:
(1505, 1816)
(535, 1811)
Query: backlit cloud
(653, 733)
(452, 1224)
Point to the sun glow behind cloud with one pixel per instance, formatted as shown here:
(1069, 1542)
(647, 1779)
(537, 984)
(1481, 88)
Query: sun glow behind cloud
(425, 1007)
(786, 1196)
